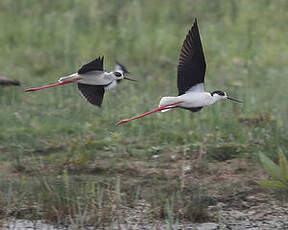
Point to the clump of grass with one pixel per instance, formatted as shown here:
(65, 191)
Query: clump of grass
(59, 200)
(278, 174)
(226, 151)
(177, 204)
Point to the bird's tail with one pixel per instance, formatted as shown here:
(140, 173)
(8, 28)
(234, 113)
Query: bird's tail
(167, 101)
(71, 77)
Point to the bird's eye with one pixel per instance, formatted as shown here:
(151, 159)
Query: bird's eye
(117, 74)
(221, 93)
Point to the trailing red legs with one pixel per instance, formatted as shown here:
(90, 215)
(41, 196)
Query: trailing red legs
(49, 86)
(152, 111)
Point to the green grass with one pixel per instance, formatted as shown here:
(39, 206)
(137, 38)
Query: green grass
(246, 54)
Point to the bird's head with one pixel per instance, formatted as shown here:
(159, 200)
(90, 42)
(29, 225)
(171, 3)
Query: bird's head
(219, 95)
(120, 76)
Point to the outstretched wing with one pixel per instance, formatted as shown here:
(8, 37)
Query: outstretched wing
(93, 93)
(192, 65)
(94, 65)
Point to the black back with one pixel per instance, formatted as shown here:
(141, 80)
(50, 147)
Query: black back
(94, 65)
(93, 93)
(192, 65)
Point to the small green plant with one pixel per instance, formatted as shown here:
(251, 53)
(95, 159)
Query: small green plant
(278, 173)
(170, 213)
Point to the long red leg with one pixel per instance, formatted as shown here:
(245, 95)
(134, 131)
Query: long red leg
(49, 86)
(152, 111)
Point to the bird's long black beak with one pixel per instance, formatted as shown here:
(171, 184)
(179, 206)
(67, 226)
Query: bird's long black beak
(233, 99)
(127, 78)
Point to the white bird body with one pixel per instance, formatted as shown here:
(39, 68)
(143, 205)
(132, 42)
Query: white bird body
(108, 79)
(190, 100)
(195, 97)
(91, 78)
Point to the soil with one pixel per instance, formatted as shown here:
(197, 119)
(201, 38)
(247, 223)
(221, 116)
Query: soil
(239, 202)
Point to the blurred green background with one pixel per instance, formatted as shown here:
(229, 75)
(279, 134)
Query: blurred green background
(245, 44)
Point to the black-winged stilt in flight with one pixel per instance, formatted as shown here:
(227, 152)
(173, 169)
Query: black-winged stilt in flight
(6, 82)
(91, 79)
(190, 82)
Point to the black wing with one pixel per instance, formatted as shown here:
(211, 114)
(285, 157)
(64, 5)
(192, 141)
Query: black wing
(192, 65)
(94, 65)
(93, 93)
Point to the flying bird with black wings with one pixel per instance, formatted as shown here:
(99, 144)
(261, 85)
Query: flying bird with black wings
(190, 80)
(91, 79)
